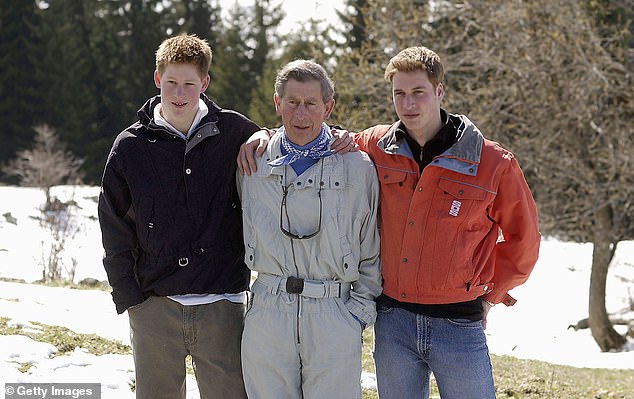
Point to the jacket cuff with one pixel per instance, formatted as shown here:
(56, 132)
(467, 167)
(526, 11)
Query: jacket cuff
(366, 314)
(126, 293)
(506, 299)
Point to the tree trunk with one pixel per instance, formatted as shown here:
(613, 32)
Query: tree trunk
(602, 331)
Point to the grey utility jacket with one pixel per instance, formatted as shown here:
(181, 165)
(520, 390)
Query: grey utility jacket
(346, 249)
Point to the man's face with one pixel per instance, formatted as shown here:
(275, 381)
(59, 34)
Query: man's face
(180, 87)
(302, 110)
(417, 101)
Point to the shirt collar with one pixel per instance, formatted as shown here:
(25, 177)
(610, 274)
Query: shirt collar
(159, 120)
(446, 134)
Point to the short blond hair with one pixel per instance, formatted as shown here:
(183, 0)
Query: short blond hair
(414, 59)
(184, 49)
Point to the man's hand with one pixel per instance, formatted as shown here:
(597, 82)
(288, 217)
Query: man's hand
(258, 141)
(255, 144)
(343, 141)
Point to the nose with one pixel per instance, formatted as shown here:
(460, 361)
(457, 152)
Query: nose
(301, 110)
(180, 90)
(409, 101)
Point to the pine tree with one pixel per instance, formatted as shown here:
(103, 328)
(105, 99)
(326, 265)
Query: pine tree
(230, 71)
(199, 17)
(354, 22)
(308, 42)
(123, 40)
(19, 100)
(242, 53)
(66, 72)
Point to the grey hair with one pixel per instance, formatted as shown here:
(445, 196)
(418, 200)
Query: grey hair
(304, 71)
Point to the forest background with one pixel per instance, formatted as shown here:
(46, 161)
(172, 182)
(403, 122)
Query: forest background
(552, 80)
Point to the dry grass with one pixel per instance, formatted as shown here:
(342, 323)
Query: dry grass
(532, 379)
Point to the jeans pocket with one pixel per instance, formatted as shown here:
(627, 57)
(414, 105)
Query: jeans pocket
(465, 323)
(250, 298)
(139, 306)
(384, 309)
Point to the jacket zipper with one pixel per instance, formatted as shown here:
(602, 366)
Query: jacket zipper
(299, 316)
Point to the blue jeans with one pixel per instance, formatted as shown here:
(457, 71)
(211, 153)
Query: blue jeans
(408, 347)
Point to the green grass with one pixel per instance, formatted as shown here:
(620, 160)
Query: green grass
(518, 378)
(64, 283)
(532, 379)
(514, 378)
(64, 339)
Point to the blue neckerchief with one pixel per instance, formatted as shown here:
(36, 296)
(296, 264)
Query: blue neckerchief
(307, 155)
(300, 165)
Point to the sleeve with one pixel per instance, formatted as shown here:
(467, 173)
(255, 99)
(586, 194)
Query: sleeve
(517, 249)
(369, 285)
(118, 232)
(248, 129)
(361, 139)
(239, 179)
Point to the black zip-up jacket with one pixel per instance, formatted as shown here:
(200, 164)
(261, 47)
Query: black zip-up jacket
(169, 211)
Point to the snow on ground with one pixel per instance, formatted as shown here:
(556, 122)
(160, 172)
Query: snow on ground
(555, 297)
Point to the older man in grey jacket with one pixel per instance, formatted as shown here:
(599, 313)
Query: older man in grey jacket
(310, 231)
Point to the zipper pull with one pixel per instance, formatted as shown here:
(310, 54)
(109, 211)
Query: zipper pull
(468, 285)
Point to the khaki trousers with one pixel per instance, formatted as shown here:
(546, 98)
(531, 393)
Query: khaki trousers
(164, 332)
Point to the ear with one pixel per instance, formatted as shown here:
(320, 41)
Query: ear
(440, 91)
(330, 105)
(157, 79)
(206, 80)
(278, 102)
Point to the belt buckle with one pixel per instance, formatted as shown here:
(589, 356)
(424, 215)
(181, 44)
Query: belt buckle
(294, 285)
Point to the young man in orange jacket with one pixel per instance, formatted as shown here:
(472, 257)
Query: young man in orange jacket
(459, 230)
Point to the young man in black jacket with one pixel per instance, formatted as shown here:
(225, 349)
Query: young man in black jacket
(172, 232)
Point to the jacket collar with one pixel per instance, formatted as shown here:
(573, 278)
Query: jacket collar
(333, 176)
(207, 126)
(146, 116)
(463, 156)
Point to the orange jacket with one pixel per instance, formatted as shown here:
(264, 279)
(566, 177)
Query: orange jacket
(464, 228)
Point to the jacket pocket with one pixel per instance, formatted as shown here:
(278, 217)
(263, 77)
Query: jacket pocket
(249, 253)
(461, 211)
(153, 271)
(462, 202)
(146, 222)
(350, 261)
(391, 176)
(462, 190)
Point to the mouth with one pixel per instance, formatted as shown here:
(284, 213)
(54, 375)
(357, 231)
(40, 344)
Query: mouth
(179, 105)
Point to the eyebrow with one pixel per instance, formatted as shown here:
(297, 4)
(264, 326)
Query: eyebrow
(291, 97)
(413, 88)
(187, 79)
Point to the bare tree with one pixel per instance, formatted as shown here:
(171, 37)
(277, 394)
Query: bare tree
(46, 165)
(549, 82)
(562, 96)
